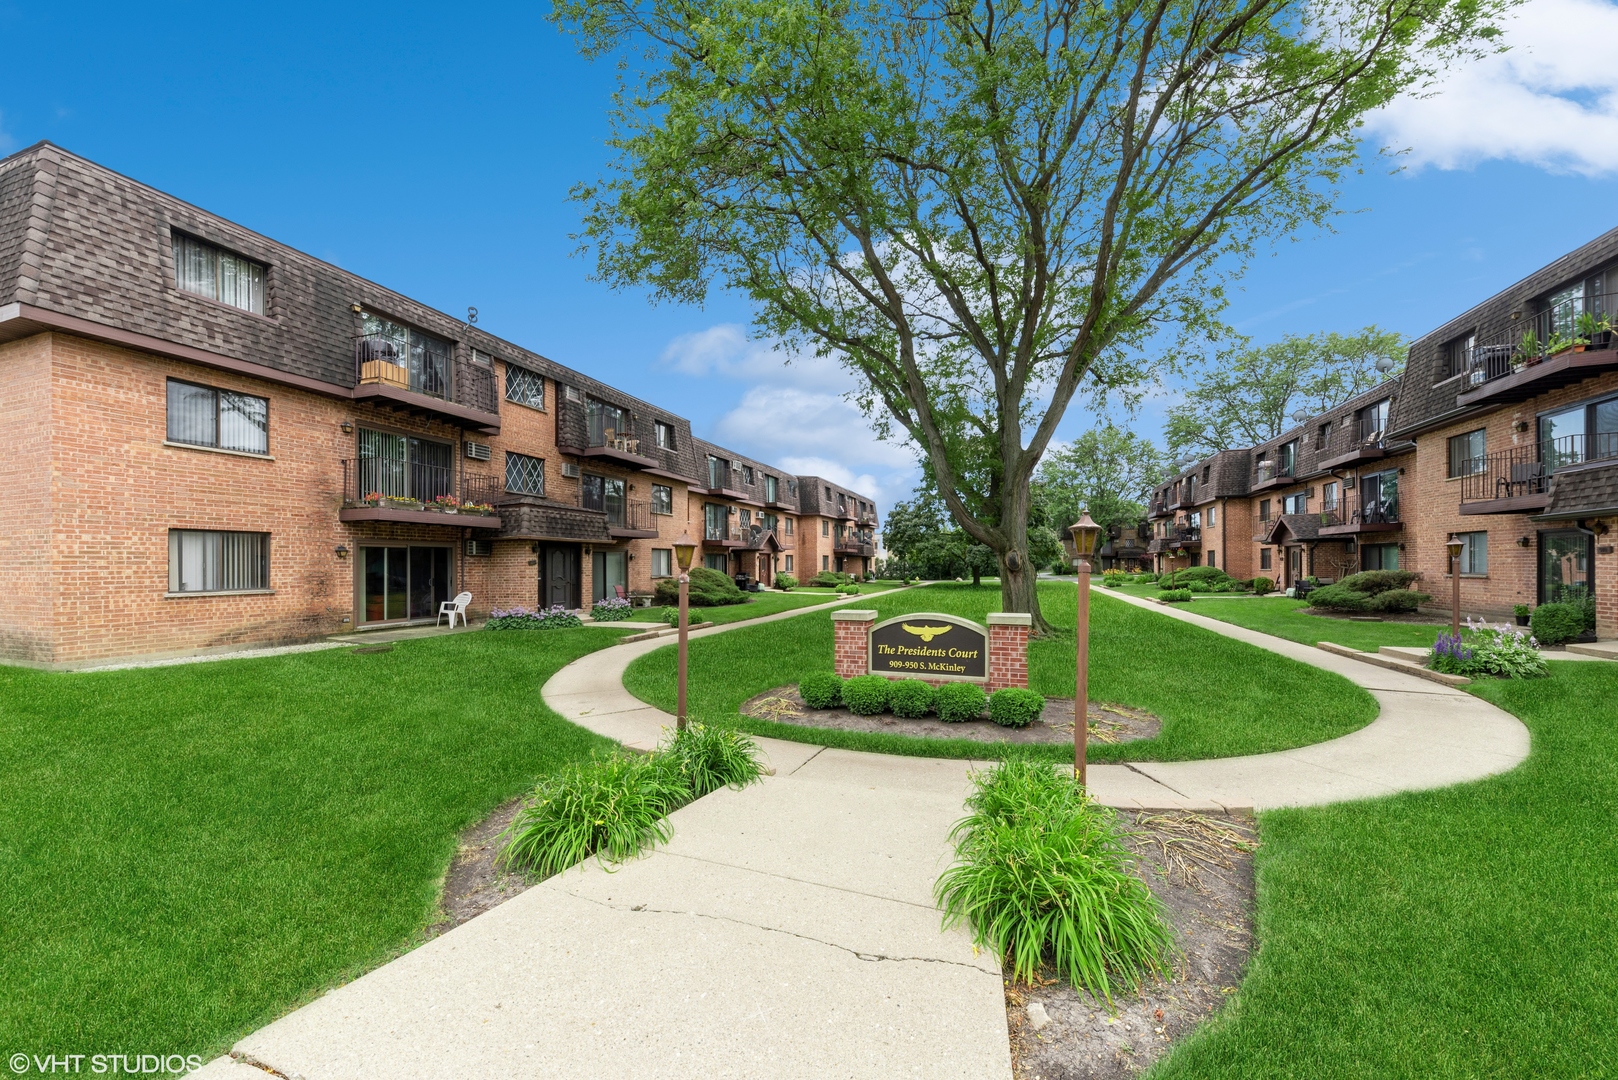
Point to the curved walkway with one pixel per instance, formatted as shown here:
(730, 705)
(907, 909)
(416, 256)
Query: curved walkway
(788, 930)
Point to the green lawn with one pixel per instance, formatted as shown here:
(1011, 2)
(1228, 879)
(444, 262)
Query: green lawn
(763, 604)
(1201, 684)
(1290, 619)
(186, 852)
(1467, 932)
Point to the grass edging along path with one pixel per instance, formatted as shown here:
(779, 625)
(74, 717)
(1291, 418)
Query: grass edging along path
(186, 852)
(1290, 619)
(1217, 697)
(1461, 932)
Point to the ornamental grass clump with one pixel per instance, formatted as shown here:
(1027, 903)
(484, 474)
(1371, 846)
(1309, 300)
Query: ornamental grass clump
(822, 690)
(867, 695)
(1014, 707)
(1175, 596)
(911, 698)
(1042, 877)
(707, 757)
(610, 807)
(958, 702)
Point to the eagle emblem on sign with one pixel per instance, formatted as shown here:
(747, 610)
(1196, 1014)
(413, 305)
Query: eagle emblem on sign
(926, 633)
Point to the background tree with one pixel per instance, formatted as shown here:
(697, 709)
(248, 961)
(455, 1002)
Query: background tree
(1107, 471)
(1249, 396)
(982, 207)
(922, 541)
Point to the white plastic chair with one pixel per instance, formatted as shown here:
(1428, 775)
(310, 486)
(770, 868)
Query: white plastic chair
(453, 608)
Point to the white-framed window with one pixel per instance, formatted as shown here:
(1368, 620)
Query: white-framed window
(747, 518)
(1328, 496)
(747, 474)
(1466, 453)
(665, 435)
(1213, 516)
(203, 560)
(222, 419)
(206, 270)
(662, 499)
(1475, 554)
(1295, 504)
(525, 475)
(525, 387)
(662, 562)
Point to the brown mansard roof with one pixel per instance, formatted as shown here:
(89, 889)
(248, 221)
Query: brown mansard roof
(81, 241)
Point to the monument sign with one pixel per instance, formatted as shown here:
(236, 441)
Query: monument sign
(928, 645)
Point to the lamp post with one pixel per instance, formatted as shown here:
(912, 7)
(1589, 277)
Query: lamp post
(684, 547)
(1081, 545)
(1455, 545)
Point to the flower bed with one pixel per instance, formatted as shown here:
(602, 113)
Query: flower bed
(1504, 651)
(521, 618)
(612, 609)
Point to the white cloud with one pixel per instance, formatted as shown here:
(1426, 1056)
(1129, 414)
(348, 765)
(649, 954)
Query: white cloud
(795, 412)
(1551, 100)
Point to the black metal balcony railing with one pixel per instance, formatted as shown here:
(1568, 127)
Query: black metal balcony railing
(421, 369)
(1526, 470)
(1380, 512)
(414, 485)
(1185, 534)
(1579, 323)
(1371, 430)
(719, 533)
(1265, 471)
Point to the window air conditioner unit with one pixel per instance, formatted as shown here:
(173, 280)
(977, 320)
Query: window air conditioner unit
(477, 451)
(570, 470)
(732, 511)
(480, 547)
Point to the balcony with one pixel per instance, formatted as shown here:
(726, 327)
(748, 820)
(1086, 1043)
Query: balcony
(852, 545)
(601, 432)
(1564, 344)
(416, 378)
(1368, 444)
(416, 493)
(724, 537)
(1159, 508)
(1262, 528)
(867, 518)
(1272, 474)
(1185, 538)
(845, 512)
(1518, 480)
(627, 520)
(1382, 516)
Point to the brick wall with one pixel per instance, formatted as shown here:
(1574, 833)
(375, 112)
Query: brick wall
(1008, 652)
(26, 576)
(851, 642)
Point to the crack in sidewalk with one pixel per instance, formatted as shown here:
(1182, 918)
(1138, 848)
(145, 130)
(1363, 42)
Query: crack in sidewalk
(866, 956)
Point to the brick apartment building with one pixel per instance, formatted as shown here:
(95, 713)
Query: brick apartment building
(215, 441)
(1501, 431)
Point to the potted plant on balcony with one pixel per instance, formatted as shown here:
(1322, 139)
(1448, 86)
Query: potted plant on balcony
(476, 508)
(1528, 350)
(401, 502)
(445, 504)
(1558, 345)
(372, 498)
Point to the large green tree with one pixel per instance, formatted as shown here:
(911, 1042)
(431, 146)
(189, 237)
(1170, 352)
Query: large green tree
(1106, 471)
(1248, 395)
(986, 209)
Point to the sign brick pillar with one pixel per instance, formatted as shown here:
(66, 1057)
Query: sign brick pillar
(851, 642)
(1008, 649)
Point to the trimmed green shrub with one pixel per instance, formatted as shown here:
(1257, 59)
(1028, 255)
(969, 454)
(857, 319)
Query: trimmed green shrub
(707, 757)
(1012, 706)
(1263, 586)
(1041, 875)
(911, 698)
(1557, 624)
(830, 579)
(1372, 582)
(610, 807)
(822, 690)
(1175, 596)
(1339, 597)
(785, 581)
(1149, 576)
(1396, 600)
(1208, 575)
(849, 590)
(709, 588)
(960, 701)
(867, 695)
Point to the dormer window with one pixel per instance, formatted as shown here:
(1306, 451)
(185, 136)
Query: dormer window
(206, 270)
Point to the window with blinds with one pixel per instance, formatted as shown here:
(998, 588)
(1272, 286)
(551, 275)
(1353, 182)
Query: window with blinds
(207, 561)
(206, 270)
(222, 419)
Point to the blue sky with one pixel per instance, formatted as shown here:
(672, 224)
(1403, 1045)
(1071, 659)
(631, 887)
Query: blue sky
(431, 148)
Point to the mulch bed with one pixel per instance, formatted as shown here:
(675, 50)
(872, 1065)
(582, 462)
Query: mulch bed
(1108, 723)
(1201, 866)
(474, 883)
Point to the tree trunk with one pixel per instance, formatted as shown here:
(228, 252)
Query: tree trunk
(1019, 578)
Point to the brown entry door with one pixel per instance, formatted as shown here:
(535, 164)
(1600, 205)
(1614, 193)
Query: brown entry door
(559, 581)
(1294, 565)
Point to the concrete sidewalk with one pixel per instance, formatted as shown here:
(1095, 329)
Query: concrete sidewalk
(788, 930)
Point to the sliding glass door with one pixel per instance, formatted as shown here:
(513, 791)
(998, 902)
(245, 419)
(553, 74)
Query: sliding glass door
(403, 467)
(403, 582)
